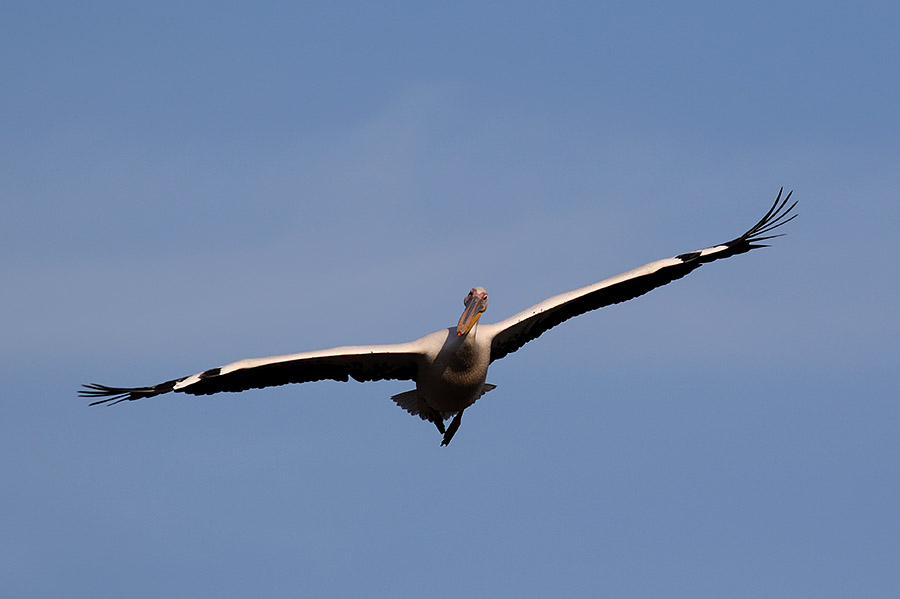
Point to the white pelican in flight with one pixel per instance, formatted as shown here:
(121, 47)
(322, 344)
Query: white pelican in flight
(449, 366)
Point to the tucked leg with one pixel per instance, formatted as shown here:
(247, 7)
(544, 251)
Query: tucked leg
(435, 417)
(451, 430)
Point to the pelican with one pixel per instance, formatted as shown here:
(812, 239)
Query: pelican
(450, 366)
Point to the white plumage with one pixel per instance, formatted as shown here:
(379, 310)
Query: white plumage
(449, 366)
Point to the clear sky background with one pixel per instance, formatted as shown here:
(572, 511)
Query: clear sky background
(184, 184)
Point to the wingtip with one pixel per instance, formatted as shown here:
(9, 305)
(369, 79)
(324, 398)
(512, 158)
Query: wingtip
(776, 217)
(110, 395)
(113, 395)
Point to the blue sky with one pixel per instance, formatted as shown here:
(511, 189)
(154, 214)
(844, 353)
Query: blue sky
(186, 184)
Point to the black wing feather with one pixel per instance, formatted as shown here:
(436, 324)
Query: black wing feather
(531, 328)
(361, 367)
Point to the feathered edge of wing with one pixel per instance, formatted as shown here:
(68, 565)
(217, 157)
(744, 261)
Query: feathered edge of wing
(512, 333)
(362, 363)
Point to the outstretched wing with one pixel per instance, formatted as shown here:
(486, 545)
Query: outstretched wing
(512, 333)
(362, 363)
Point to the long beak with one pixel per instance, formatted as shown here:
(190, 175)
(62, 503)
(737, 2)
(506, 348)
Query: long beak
(474, 309)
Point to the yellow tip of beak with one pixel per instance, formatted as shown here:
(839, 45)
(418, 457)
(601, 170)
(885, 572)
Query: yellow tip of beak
(474, 310)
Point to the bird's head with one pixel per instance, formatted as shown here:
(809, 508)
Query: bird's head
(476, 303)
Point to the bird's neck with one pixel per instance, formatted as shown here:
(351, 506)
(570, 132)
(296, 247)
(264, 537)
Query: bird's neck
(466, 353)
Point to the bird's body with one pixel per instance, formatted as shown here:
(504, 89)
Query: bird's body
(448, 366)
(452, 378)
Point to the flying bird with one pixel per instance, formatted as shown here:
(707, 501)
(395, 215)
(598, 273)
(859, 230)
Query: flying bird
(450, 366)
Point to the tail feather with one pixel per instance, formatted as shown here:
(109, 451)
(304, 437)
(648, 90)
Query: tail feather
(415, 405)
